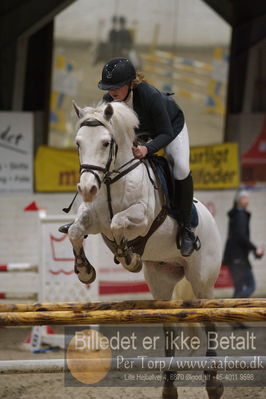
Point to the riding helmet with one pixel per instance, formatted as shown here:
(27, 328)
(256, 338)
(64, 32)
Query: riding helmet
(116, 73)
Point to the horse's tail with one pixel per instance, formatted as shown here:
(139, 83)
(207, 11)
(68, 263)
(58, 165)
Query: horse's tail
(183, 290)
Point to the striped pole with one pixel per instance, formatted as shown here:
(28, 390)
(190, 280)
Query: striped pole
(18, 267)
(15, 296)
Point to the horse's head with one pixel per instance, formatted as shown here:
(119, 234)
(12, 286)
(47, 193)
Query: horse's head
(101, 132)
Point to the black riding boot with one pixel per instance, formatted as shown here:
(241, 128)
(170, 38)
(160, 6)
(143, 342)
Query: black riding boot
(65, 227)
(183, 202)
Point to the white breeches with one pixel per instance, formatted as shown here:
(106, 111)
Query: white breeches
(178, 154)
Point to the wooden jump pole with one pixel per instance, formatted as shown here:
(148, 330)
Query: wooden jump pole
(177, 363)
(135, 316)
(138, 304)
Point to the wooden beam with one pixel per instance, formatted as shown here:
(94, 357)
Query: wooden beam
(137, 304)
(135, 316)
(131, 304)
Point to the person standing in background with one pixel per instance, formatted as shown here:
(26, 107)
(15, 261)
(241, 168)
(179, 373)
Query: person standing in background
(124, 38)
(238, 247)
(113, 40)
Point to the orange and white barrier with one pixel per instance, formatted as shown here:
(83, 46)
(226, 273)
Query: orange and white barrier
(18, 267)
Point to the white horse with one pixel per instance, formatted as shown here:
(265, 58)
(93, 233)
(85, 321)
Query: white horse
(120, 202)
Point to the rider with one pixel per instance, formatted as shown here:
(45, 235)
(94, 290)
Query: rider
(164, 121)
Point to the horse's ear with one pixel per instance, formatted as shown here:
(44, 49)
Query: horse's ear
(108, 112)
(78, 110)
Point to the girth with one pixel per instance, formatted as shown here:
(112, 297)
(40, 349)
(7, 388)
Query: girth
(138, 244)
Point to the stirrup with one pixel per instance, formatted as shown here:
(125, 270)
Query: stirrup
(195, 239)
(197, 243)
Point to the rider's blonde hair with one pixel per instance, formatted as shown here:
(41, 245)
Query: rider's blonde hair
(139, 79)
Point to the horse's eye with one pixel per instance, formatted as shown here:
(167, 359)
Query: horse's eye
(106, 143)
(77, 144)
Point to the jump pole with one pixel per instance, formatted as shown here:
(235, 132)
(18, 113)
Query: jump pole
(135, 316)
(137, 304)
(18, 267)
(201, 363)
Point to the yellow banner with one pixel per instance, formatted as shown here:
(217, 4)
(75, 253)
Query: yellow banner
(56, 170)
(215, 166)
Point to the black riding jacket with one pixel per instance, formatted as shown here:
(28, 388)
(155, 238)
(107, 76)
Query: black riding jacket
(158, 114)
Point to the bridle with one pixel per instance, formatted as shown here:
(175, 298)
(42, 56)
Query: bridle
(112, 153)
(107, 178)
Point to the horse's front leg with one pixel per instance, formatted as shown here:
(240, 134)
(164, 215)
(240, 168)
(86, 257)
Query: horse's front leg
(82, 267)
(125, 226)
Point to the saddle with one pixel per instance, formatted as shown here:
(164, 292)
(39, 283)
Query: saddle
(161, 168)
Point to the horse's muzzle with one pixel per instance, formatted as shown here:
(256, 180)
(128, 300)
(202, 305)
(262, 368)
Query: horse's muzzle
(88, 193)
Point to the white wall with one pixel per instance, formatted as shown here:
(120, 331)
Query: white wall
(19, 229)
(20, 235)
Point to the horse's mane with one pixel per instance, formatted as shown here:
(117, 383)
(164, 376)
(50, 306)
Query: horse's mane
(123, 120)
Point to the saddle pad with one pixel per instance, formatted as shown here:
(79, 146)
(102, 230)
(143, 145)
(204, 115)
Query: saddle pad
(165, 178)
(194, 216)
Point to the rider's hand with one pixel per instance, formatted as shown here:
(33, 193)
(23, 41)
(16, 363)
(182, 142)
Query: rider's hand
(140, 151)
(259, 253)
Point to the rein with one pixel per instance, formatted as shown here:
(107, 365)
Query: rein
(107, 179)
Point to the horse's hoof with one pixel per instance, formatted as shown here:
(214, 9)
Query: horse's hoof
(136, 264)
(215, 389)
(117, 262)
(128, 259)
(85, 277)
(169, 393)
